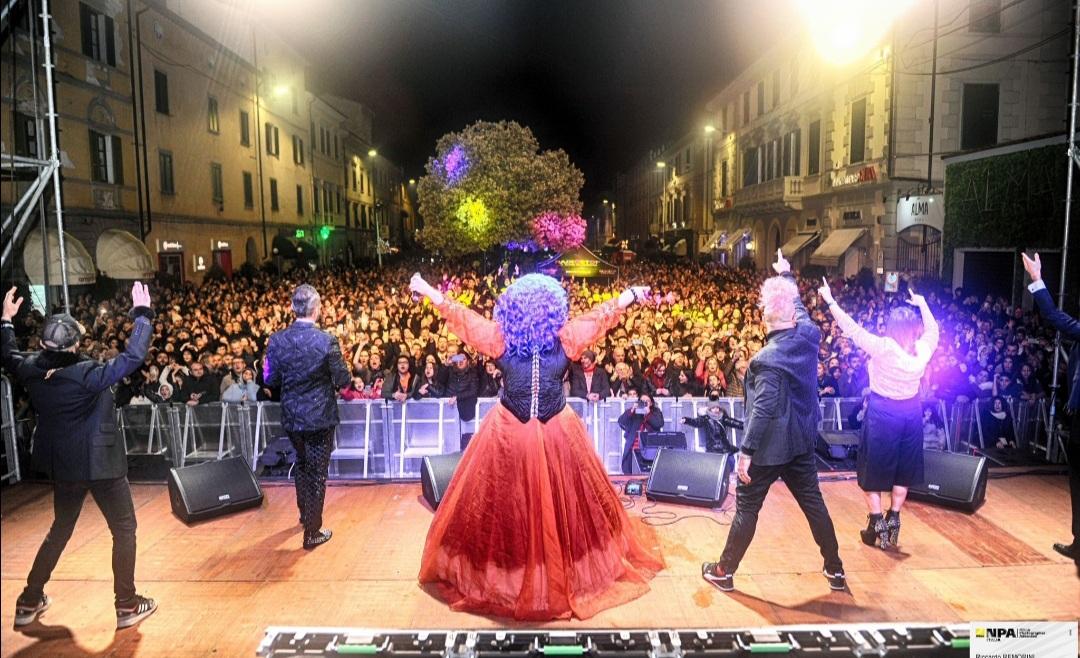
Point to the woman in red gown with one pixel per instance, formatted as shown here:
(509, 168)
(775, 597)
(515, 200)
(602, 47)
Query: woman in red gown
(530, 526)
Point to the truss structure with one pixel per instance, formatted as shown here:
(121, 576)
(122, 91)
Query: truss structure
(17, 222)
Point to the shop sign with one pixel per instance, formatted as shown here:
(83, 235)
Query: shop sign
(852, 215)
(200, 263)
(928, 210)
(220, 245)
(170, 245)
(865, 175)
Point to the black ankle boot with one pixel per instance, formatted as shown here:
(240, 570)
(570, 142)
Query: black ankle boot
(876, 533)
(892, 522)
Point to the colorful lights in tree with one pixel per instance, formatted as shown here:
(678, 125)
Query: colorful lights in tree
(558, 232)
(455, 164)
(473, 215)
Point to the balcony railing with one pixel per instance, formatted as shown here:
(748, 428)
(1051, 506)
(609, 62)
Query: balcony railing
(785, 192)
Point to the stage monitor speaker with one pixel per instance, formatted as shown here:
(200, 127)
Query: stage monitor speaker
(653, 442)
(837, 445)
(689, 478)
(203, 491)
(435, 476)
(952, 480)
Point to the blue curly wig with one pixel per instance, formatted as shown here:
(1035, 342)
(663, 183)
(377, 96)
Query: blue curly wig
(531, 312)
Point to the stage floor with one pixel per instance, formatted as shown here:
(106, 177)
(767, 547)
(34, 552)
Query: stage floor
(221, 583)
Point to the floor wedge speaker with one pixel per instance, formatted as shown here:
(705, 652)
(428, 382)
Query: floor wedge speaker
(435, 476)
(203, 491)
(952, 480)
(685, 477)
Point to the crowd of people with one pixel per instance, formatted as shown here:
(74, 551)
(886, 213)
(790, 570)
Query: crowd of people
(693, 336)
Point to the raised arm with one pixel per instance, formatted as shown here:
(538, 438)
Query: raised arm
(138, 343)
(584, 330)
(868, 342)
(928, 342)
(10, 359)
(1054, 316)
(473, 329)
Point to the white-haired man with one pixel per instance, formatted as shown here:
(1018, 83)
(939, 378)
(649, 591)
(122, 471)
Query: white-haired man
(305, 363)
(782, 417)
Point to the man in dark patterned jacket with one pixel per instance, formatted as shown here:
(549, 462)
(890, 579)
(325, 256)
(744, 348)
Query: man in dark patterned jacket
(306, 364)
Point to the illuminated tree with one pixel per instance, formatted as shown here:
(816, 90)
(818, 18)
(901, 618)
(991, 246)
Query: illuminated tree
(486, 185)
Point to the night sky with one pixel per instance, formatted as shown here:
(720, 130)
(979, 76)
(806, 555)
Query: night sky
(606, 80)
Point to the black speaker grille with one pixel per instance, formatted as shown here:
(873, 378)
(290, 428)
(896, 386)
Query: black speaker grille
(435, 476)
(692, 477)
(952, 479)
(217, 485)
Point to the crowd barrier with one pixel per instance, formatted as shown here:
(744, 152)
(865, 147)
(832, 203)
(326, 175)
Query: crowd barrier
(387, 440)
(8, 429)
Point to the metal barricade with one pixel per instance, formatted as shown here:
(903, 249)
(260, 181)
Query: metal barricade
(1028, 423)
(267, 428)
(210, 431)
(7, 428)
(424, 428)
(144, 428)
(358, 434)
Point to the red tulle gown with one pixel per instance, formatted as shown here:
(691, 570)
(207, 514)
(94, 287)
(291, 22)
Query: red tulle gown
(530, 526)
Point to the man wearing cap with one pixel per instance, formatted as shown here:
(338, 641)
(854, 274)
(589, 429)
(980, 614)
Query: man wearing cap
(306, 364)
(77, 444)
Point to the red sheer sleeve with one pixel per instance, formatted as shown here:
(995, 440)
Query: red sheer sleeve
(473, 329)
(587, 328)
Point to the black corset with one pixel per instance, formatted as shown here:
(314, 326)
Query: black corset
(518, 384)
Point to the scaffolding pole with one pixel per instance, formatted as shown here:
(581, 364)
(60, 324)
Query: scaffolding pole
(1073, 155)
(54, 151)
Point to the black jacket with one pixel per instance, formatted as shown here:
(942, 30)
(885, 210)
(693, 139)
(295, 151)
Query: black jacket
(306, 364)
(716, 435)
(782, 412)
(1070, 330)
(76, 436)
(601, 385)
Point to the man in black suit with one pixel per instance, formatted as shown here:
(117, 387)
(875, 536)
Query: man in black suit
(77, 444)
(1070, 331)
(306, 364)
(587, 381)
(782, 416)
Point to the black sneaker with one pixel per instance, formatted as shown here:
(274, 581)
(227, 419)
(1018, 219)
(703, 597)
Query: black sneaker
(132, 612)
(27, 613)
(714, 574)
(837, 580)
(318, 539)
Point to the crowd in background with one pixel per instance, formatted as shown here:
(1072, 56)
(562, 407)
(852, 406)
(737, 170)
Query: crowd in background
(693, 336)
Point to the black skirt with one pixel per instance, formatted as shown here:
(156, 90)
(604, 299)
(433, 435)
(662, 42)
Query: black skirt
(891, 445)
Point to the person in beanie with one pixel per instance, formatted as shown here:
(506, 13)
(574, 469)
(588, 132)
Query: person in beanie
(77, 444)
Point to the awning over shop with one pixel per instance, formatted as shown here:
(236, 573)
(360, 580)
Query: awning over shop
(80, 266)
(121, 255)
(728, 239)
(306, 250)
(838, 242)
(798, 243)
(714, 240)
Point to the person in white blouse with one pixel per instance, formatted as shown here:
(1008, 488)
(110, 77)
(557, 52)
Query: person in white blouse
(890, 456)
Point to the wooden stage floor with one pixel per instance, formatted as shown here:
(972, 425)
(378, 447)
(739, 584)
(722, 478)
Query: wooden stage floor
(221, 583)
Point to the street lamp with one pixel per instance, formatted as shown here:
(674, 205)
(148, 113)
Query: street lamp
(709, 129)
(372, 153)
(412, 181)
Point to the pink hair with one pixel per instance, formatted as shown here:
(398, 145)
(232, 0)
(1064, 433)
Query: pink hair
(778, 300)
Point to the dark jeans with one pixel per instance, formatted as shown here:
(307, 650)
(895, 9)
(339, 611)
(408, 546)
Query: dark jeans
(113, 498)
(1073, 453)
(312, 463)
(800, 476)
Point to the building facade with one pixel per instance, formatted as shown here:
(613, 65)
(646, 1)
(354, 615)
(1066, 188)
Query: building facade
(825, 160)
(191, 126)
